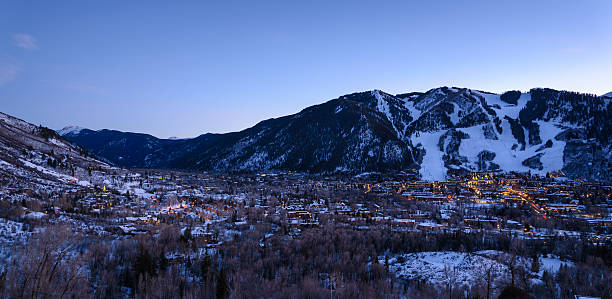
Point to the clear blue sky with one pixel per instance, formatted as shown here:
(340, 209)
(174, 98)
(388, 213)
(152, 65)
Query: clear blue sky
(181, 68)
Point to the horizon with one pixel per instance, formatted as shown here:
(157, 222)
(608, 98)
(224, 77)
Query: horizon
(195, 68)
(204, 133)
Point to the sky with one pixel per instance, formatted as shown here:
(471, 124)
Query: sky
(184, 68)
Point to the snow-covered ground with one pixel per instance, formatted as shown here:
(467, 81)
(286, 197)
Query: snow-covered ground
(134, 189)
(439, 268)
(11, 233)
(47, 170)
(552, 263)
(463, 269)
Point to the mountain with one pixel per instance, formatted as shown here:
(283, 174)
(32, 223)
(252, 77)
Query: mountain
(70, 130)
(37, 158)
(130, 150)
(608, 95)
(347, 133)
(441, 132)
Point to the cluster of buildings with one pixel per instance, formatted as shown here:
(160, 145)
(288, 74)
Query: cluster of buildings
(206, 206)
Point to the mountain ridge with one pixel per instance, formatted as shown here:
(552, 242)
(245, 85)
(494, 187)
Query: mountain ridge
(442, 132)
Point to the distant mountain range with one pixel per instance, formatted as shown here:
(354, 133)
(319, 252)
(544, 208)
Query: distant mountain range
(441, 132)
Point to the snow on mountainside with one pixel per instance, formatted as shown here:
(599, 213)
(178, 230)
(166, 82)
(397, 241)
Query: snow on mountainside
(70, 130)
(35, 157)
(460, 130)
(487, 130)
(442, 132)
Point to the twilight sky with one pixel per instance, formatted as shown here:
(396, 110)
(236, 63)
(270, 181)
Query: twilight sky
(183, 68)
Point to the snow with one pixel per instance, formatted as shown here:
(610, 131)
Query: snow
(609, 94)
(57, 142)
(511, 160)
(454, 116)
(70, 130)
(432, 167)
(505, 157)
(508, 159)
(439, 268)
(11, 233)
(46, 170)
(4, 164)
(127, 229)
(15, 122)
(506, 109)
(134, 190)
(552, 263)
(382, 104)
(84, 183)
(553, 157)
(414, 112)
(430, 99)
(463, 269)
(35, 215)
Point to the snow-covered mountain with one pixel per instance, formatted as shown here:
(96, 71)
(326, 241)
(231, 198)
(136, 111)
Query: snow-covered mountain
(441, 132)
(70, 130)
(540, 131)
(34, 157)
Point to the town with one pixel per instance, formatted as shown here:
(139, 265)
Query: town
(210, 204)
(212, 212)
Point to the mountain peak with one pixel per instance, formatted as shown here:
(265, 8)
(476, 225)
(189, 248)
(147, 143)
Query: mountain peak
(70, 130)
(443, 132)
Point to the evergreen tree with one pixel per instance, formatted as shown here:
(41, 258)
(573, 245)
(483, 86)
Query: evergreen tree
(205, 267)
(535, 264)
(222, 286)
(144, 262)
(163, 262)
(387, 262)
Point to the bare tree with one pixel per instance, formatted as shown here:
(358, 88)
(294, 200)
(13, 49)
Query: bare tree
(450, 278)
(48, 266)
(490, 279)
